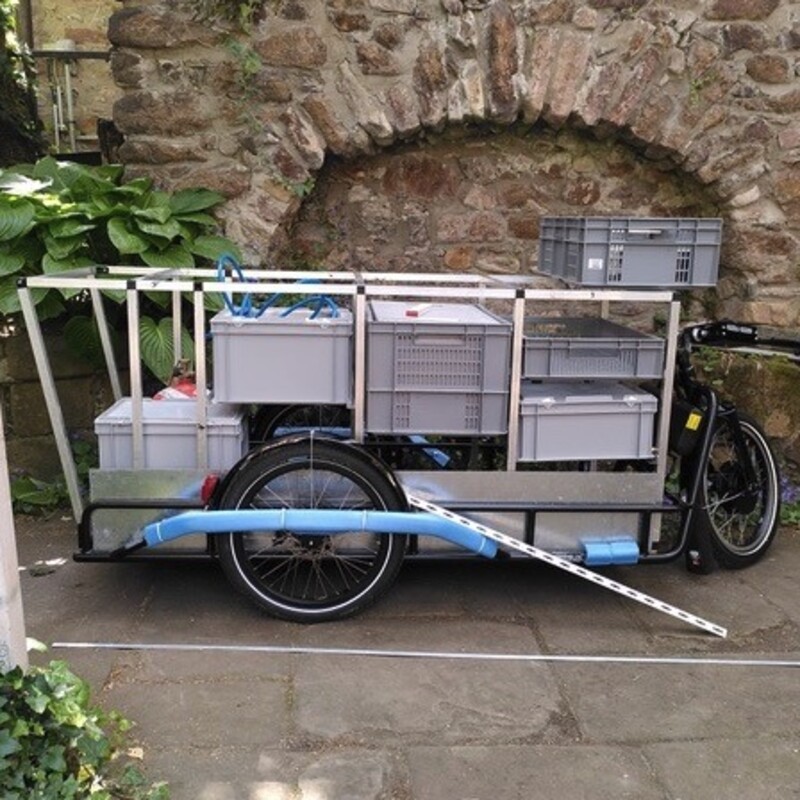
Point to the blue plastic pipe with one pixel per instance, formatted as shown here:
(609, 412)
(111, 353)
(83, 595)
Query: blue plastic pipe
(312, 521)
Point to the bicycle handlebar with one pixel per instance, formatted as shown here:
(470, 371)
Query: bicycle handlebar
(728, 333)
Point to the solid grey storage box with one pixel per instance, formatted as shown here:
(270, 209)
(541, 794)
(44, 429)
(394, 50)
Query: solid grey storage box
(276, 359)
(584, 421)
(653, 252)
(589, 347)
(436, 368)
(170, 435)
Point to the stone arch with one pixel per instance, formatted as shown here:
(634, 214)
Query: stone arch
(711, 91)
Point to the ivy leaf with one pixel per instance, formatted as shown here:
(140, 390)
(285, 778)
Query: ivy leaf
(188, 201)
(126, 242)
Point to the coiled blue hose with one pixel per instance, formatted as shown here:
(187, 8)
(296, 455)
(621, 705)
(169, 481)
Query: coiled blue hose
(246, 308)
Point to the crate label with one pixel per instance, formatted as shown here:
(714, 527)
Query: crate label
(594, 263)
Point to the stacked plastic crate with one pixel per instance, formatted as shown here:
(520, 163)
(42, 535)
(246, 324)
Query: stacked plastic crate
(580, 397)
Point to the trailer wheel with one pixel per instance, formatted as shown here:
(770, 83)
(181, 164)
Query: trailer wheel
(312, 578)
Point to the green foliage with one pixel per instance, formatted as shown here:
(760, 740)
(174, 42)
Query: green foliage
(55, 746)
(58, 216)
(242, 13)
(20, 128)
(30, 495)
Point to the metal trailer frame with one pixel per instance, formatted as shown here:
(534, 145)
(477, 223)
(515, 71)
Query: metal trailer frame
(454, 493)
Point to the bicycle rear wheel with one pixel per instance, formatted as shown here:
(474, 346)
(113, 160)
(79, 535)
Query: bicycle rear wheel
(743, 518)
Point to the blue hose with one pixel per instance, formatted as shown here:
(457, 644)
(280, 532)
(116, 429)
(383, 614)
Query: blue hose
(246, 309)
(311, 521)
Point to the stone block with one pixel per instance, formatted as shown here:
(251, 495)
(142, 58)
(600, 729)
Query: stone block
(349, 22)
(643, 75)
(128, 68)
(572, 59)
(402, 109)
(154, 27)
(302, 48)
(597, 92)
(389, 35)
(467, 97)
(343, 138)
(741, 9)
(420, 176)
(481, 226)
(430, 82)
(375, 59)
(304, 137)
(160, 151)
(167, 113)
(503, 63)
(538, 70)
(769, 68)
(366, 111)
(743, 36)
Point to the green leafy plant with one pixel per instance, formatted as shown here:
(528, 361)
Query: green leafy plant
(20, 129)
(239, 12)
(57, 216)
(31, 495)
(54, 745)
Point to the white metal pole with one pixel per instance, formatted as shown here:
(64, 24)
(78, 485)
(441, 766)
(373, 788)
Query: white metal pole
(13, 652)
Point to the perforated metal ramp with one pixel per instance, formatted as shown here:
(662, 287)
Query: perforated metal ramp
(510, 543)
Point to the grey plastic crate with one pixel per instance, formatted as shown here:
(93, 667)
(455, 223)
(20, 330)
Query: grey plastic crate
(169, 430)
(589, 347)
(651, 252)
(436, 368)
(585, 421)
(275, 359)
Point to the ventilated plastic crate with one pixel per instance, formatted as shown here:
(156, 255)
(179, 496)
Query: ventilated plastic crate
(653, 252)
(585, 421)
(436, 368)
(276, 359)
(589, 347)
(169, 429)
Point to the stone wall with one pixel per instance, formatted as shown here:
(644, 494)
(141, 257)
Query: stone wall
(83, 394)
(705, 90)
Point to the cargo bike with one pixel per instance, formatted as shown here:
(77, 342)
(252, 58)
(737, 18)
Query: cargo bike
(346, 421)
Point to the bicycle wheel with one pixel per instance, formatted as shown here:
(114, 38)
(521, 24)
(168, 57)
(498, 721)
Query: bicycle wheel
(744, 519)
(312, 578)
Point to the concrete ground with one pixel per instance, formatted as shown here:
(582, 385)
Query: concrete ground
(264, 726)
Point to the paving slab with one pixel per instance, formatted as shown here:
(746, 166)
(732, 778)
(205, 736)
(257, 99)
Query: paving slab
(760, 767)
(522, 773)
(624, 703)
(416, 701)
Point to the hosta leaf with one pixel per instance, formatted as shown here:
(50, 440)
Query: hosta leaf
(214, 247)
(173, 257)
(11, 263)
(83, 339)
(69, 226)
(188, 201)
(167, 230)
(157, 349)
(16, 218)
(154, 213)
(124, 240)
(199, 218)
(60, 249)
